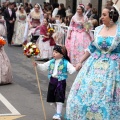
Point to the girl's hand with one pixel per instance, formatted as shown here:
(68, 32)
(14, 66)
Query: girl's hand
(78, 66)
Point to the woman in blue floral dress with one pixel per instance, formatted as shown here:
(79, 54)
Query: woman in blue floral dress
(95, 93)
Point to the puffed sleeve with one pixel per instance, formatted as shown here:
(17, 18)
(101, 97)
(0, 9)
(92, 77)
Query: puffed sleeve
(70, 68)
(44, 66)
(91, 48)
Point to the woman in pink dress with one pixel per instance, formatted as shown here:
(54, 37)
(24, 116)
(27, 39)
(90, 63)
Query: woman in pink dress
(78, 37)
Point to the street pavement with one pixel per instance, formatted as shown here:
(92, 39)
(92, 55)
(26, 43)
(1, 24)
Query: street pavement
(21, 99)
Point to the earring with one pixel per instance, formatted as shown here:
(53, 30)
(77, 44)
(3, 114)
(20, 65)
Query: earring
(111, 22)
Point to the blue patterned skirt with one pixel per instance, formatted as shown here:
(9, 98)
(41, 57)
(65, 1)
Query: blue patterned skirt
(95, 94)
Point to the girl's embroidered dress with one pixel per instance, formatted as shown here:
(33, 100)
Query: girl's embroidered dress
(95, 94)
(79, 40)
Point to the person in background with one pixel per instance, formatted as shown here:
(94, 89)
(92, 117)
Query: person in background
(2, 25)
(94, 23)
(55, 10)
(88, 11)
(10, 17)
(67, 20)
(44, 41)
(46, 16)
(61, 11)
(94, 14)
(19, 26)
(78, 37)
(109, 3)
(34, 19)
(5, 67)
(3, 7)
(30, 6)
(58, 69)
(68, 11)
(27, 9)
(59, 33)
(95, 93)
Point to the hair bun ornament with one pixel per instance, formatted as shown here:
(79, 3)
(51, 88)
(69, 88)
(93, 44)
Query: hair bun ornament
(81, 5)
(38, 4)
(116, 7)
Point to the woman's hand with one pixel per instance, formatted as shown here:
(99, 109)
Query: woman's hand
(68, 37)
(78, 66)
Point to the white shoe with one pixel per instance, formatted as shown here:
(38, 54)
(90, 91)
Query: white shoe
(57, 116)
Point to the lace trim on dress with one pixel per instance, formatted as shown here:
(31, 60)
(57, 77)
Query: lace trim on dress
(115, 41)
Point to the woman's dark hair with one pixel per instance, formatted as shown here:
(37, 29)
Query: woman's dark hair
(109, 3)
(55, 5)
(90, 5)
(26, 4)
(62, 6)
(46, 19)
(62, 50)
(94, 10)
(113, 13)
(21, 7)
(83, 10)
(62, 19)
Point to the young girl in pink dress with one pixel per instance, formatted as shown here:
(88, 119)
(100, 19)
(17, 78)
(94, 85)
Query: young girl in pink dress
(78, 39)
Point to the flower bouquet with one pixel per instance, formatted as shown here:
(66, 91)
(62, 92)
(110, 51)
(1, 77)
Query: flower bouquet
(50, 32)
(2, 41)
(30, 49)
(88, 26)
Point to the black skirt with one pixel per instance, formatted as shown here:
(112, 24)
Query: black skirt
(56, 90)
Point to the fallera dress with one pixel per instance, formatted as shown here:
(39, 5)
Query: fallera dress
(95, 93)
(46, 51)
(5, 68)
(79, 40)
(19, 28)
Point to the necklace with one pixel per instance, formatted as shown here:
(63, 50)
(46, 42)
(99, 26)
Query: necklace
(108, 27)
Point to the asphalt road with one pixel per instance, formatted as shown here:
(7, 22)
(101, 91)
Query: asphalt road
(21, 100)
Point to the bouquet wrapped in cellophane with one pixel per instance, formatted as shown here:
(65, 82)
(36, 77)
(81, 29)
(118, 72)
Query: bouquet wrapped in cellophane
(30, 49)
(88, 26)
